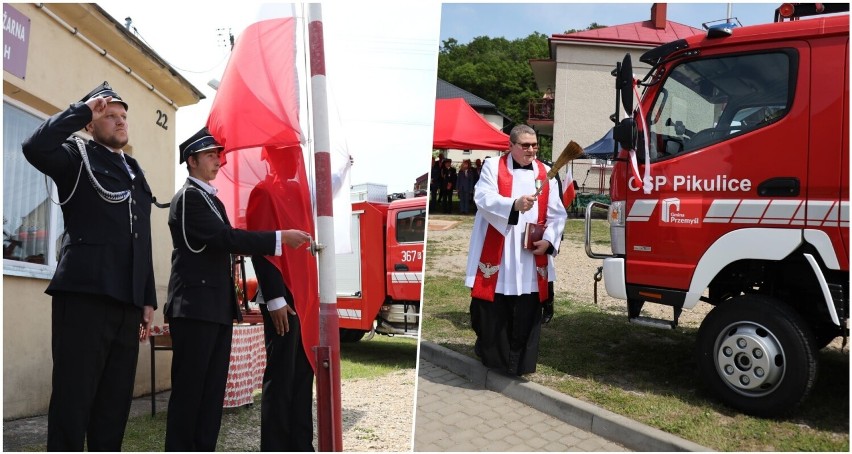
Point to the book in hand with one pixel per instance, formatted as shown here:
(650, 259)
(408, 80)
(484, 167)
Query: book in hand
(532, 233)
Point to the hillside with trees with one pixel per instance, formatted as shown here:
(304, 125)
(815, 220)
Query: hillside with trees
(498, 70)
(495, 69)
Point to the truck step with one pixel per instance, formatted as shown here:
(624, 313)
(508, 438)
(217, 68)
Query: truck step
(652, 322)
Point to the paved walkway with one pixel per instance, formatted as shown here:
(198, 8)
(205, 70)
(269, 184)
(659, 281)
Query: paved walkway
(468, 407)
(454, 414)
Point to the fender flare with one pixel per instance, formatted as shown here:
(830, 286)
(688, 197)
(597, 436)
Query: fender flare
(758, 244)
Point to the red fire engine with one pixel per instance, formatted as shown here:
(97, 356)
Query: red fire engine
(379, 283)
(737, 195)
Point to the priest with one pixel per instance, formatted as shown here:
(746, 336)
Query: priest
(509, 269)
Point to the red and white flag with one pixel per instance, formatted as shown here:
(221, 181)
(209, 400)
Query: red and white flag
(569, 191)
(257, 102)
(264, 185)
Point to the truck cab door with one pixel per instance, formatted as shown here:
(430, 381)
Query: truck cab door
(828, 168)
(405, 237)
(728, 144)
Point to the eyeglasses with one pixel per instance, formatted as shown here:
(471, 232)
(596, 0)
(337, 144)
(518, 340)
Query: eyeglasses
(531, 146)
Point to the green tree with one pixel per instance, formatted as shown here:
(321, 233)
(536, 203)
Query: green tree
(495, 69)
(592, 26)
(498, 70)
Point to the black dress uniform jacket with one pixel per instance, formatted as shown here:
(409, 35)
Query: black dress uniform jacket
(103, 240)
(201, 286)
(201, 307)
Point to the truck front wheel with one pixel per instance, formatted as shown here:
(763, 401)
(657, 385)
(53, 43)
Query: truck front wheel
(756, 355)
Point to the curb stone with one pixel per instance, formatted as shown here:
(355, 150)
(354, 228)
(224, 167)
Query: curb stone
(604, 423)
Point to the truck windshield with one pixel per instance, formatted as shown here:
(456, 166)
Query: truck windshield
(709, 100)
(411, 226)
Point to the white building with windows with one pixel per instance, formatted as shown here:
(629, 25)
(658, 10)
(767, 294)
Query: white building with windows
(579, 73)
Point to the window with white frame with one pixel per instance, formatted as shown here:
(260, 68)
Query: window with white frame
(31, 222)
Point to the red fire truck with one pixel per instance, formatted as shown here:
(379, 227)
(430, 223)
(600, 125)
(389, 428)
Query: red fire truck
(737, 195)
(379, 283)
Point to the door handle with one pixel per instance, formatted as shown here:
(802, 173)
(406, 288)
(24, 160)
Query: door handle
(779, 187)
(400, 267)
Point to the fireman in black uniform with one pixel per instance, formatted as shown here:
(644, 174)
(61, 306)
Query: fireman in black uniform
(103, 287)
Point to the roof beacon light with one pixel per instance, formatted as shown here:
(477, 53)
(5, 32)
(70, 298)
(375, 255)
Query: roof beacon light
(721, 30)
(786, 10)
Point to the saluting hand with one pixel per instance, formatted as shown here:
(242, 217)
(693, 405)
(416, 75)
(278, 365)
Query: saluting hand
(295, 238)
(98, 106)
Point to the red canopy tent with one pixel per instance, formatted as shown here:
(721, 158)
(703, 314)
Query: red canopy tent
(460, 127)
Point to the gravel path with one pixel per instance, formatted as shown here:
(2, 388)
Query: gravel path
(378, 413)
(377, 416)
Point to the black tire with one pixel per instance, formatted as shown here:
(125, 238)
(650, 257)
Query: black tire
(351, 335)
(756, 355)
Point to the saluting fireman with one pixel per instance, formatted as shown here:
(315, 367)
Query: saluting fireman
(103, 289)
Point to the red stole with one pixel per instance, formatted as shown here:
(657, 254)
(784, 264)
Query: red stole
(485, 283)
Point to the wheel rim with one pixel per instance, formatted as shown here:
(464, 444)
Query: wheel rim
(750, 359)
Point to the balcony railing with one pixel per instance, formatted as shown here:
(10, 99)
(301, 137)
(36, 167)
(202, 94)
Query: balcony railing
(540, 109)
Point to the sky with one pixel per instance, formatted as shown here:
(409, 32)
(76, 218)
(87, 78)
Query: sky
(465, 21)
(374, 56)
(381, 59)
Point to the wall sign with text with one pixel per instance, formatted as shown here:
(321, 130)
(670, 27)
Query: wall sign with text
(16, 38)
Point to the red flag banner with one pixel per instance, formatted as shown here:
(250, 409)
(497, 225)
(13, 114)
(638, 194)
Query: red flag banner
(244, 170)
(281, 200)
(257, 102)
(264, 186)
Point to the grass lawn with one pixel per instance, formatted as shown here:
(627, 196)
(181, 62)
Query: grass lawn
(648, 374)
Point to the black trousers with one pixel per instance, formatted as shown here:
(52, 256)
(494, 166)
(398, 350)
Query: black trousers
(286, 418)
(446, 198)
(508, 331)
(95, 346)
(201, 355)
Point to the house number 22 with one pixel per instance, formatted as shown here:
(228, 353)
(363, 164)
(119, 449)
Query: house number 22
(162, 119)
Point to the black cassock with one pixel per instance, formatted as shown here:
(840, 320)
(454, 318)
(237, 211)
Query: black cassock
(507, 332)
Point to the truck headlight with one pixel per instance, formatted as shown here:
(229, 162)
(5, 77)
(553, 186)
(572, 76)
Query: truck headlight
(616, 227)
(616, 214)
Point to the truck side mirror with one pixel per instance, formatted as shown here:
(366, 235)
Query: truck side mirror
(625, 83)
(625, 133)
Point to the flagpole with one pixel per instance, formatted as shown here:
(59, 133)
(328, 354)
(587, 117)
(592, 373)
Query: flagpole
(329, 414)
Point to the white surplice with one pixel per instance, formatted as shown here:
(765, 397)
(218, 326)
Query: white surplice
(517, 275)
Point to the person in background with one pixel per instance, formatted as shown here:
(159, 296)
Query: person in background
(464, 185)
(477, 169)
(103, 288)
(448, 177)
(510, 283)
(202, 304)
(435, 181)
(547, 103)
